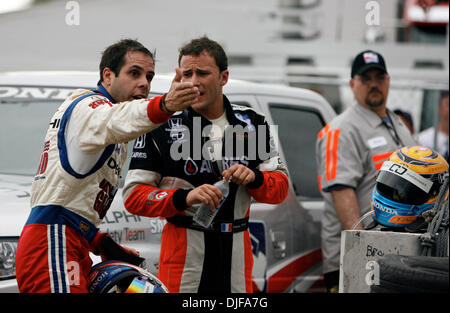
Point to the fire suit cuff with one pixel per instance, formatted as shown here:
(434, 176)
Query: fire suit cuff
(95, 244)
(259, 180)
(179, 199)
(154, 111)
(337, 187)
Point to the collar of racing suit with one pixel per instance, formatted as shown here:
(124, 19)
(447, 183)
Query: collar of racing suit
(232, 119)
(102, 90)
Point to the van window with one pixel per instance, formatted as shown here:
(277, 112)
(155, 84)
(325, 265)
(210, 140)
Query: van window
(297, 131)
(430, 109)
(23, 124)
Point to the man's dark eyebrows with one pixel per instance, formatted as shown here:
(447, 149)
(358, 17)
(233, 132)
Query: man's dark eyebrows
(136, 67)
(141, 69)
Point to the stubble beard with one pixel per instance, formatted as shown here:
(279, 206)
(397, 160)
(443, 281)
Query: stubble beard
(375, 103)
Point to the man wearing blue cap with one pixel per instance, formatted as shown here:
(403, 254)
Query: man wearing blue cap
(350, 150)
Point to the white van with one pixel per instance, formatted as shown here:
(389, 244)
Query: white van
(285, 237)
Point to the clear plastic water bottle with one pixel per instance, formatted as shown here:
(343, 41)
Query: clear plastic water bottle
(204, 216)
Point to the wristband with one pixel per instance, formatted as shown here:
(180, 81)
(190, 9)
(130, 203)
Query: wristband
(163, 107)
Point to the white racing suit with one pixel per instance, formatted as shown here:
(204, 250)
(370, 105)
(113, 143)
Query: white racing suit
(77, 178)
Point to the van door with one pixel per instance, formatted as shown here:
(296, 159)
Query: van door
(298, 125)
(285, 239)
(298, 122)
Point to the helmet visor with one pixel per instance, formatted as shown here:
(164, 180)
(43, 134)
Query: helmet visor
(399, 189)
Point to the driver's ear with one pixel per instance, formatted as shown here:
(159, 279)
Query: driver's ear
(108, 76)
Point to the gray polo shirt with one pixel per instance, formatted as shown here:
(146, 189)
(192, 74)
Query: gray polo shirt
(349, 151)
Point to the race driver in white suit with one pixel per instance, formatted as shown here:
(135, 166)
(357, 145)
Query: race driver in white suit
(79, 172)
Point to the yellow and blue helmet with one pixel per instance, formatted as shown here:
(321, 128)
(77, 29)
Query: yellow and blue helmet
(407, 185)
